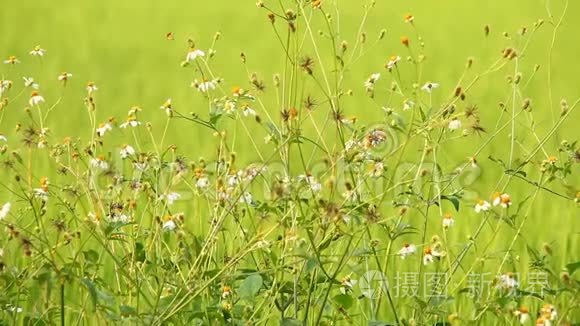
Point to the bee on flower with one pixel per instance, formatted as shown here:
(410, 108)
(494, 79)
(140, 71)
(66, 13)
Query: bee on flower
(5, 210)
(430, 254)
(501, 199)
(167, 107)
(347, 283)
(91, 88)
(130, 122)
(522, 314)
(103, 128)
(38, 51)
(170, 198)
(99, 163)
(205, 85)
(407, 250)
(35, 99)
(429, 87)
(448, 221)
(193, 54)
(42, 191)
(169, 224)
(64, 77)
(482, 206)
(126, 151)
(392, 62)
(454, 124)
(12, 60)
(29, 82)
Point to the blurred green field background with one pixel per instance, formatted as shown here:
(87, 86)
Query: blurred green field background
(122, 47)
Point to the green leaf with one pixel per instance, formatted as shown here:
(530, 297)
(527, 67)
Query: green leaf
(92, 291)
(250, 286)
(572, 267)
(343, 300)
(290, 322)
(453, 199)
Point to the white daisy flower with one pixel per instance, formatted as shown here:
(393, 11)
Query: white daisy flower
(99, 163)
(194, 54)
(120, 218)
(347, 283)
(169, 225)
(131, 121)
(429, 254)
(12, 60)
(103, 128)
(248, 111)
(522, 314)
(549, 312)
(126, 151)
(504, 200)
(314, 185)
(38, 51)
(448, 221)
(170, 198)
(393, 61)
(65, 76)
(91, 87)
(407, 250)
(29, 82)
(482, 206)
(202, 183)
(454, 124)
(429, 86)
(5, 210)
(167, 107)
(247, 198)
(370, 82)
(508, 281)
(35, 99)
(204, 86)
(408, 104)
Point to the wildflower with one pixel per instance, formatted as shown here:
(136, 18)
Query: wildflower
(448, 221)
(429, 254)
(407, 250)
(5, 210)
(202, 183)
(409, 18)
(5, 85)
(377, 169)
(103, 128)
(247, 198)
(523, 315)
(501, 199)
(408, 104)
(549, 312)
(42, 191)
(127, 150)
(35, 99)
(169, 224)
(13, 308)
(204, 86)
(167, 107)
(12, 60)
(374, 138)
(541, 321)
(314, 185)
(371, 81)
(91, 87)
(64, 77)
(194, 54)
(226, 291)
(508, 281)
(131, 121)
(347, 284)
(99, 163)
(29, 82)
(38, 51)
(3, 138)
(248, 111)
(170, 198)
(482, 206)
(119, 217)
(393, 61)
(429, 86)
(454, 124)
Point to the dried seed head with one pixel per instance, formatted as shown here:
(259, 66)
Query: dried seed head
(272, 18)
(382, 34)
(526, 104)
(469, 62)
(405, 41)
(486, 30)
